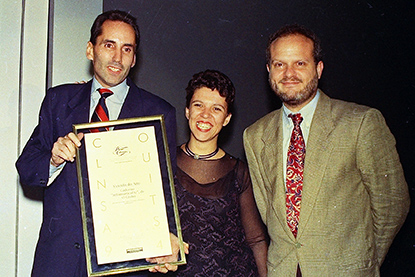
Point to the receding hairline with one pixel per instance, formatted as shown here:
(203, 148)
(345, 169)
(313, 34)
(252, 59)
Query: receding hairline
(120, 21)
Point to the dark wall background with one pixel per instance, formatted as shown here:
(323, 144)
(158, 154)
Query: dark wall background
(369, 59)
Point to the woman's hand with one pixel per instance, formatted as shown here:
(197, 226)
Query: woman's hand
(175, 247)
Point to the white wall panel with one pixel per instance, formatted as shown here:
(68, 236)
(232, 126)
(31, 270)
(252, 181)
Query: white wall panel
(23, 59)
(33, 84)
(10, 24)
(72, 23)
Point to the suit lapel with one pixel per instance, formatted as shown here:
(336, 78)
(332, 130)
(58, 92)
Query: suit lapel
(272, 156)
(318, 151)
(80, 102)
(79, 105)
(133, 105)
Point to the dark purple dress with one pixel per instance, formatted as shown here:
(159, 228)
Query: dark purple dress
(210, 216)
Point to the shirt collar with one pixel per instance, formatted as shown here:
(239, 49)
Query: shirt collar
(307, 111)
(120, 90)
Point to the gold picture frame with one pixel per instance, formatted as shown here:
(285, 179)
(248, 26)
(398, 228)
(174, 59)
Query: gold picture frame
(127, 196)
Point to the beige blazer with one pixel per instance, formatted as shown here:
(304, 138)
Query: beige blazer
(354, 200)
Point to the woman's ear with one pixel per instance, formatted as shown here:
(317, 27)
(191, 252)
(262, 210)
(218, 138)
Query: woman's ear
(187, 113)
(227, 119)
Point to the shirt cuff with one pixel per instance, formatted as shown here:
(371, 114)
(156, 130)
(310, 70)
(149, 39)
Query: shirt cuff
(54, 172)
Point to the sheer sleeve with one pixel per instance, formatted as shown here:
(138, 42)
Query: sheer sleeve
(255, 231)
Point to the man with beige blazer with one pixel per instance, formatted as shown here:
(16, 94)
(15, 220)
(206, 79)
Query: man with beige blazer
(353, 197)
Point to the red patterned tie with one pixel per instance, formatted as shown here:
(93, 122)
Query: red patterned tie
(101, 111)
(294, 179)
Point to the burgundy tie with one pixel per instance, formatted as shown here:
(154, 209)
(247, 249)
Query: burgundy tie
(294, 179)
(101, 111)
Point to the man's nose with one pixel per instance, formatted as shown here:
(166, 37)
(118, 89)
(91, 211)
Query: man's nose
(289, 71)
(117, 56)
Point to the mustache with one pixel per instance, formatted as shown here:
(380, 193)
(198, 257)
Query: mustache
(292, 79)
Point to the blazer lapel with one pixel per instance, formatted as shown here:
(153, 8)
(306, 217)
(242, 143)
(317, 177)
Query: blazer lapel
(271, 158)
(79, 105)
(317, 158)
(133, 105)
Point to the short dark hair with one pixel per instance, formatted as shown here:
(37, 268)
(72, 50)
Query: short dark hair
(114, 15)
(212, 79)
(295, 29)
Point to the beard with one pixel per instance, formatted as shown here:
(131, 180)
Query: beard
(296, 98)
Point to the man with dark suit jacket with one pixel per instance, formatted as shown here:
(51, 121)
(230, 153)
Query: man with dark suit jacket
(349, 198)
(48, 157)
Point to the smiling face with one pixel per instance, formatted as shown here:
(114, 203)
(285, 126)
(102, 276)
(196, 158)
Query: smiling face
(113, 55)
(207, 114)
(293, 74)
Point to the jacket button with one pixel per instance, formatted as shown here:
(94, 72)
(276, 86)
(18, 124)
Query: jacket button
(77, 245)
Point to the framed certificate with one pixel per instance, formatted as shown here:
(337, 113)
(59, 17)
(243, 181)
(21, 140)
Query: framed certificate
(128, 202)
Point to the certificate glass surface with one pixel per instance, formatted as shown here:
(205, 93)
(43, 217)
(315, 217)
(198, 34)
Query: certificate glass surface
(127, 195)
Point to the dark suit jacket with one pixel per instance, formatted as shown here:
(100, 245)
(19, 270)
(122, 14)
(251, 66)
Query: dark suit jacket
(60, 249)
(354, 198)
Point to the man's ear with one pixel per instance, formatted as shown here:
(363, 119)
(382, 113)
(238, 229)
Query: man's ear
(320, 67)
(134, 60)
(90, 51)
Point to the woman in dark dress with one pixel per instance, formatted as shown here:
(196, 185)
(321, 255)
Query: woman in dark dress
(218, 214)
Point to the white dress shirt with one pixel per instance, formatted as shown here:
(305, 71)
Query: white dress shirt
(307, 113)
(114, 104)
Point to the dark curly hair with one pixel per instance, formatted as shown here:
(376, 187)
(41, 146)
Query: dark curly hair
(212, 79)
(295, 29)
(114, 15)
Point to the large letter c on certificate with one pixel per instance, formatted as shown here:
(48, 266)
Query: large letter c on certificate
(96, 143)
